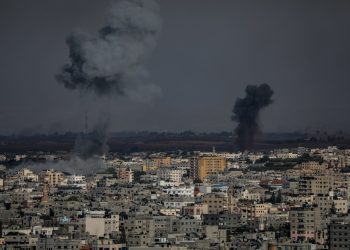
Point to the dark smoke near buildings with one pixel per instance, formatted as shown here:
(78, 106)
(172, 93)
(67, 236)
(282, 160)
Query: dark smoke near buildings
(92, 144)
(246, 112)
(113, 61)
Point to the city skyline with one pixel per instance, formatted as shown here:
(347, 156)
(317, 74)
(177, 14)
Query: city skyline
(174, 125)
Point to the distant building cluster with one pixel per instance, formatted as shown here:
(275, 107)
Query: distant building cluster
(283, 199)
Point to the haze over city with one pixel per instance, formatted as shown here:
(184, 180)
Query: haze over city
(206, 54)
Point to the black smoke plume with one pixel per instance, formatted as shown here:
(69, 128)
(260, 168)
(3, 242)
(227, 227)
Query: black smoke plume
(246, 112)
(113, 61)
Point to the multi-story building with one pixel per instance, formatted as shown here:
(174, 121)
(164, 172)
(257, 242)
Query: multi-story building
(339, 234)
(251, 195)
(217, 202)
(75, 178)
(173, 175)
(140, 231)
(180, 191)
(74, 181)
(325, 203)
(194, 168)
(51, 177)
(155, 163)
(295, 246)
(170, 211)
(187, 225)
(223, 220)
(196, 210)
(262, 209)
(251, 211)
(330, 204)
(305, 222)
(341, 206)
(107, 244)
(203, 166)
(162, 161)
(99, 224)
(28, 175)
(320, 184)
(178, 202)
(56, 243)
(125, 174)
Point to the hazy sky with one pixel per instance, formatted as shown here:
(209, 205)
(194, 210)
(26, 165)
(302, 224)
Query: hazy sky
(208, 52)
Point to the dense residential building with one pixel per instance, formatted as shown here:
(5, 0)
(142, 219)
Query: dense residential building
(172, 175)
(305, 222)
(217, 202)
(314, 185)
(52, 177)
(339, 234)
(140, 230)
(125, 174)
(180, 202)
(99, 224)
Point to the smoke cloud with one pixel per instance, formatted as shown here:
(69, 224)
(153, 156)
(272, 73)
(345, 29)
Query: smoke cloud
(246, 112)
(110, 63)
(113, 61)
(85, 158)
(75, 165)
(94, 143)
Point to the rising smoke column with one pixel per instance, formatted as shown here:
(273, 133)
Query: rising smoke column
(113, 61)
(246, 112)
(94, 143)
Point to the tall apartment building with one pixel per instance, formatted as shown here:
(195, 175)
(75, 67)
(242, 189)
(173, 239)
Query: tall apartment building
(203, 166)
(314, 185)
(339, 234)
(305, 222)
(194, 168)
